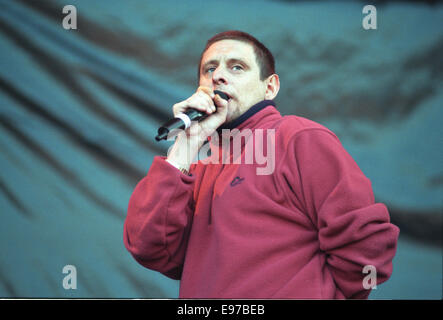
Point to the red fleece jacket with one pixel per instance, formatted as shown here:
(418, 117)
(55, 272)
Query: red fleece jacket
(305, 231)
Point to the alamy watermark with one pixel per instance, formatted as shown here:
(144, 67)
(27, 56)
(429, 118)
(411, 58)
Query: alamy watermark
(370, 281)
(70, 20)
(254, 147)
(370, 20)
(70, 280)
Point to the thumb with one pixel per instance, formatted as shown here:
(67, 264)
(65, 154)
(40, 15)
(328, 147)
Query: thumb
(221, 104)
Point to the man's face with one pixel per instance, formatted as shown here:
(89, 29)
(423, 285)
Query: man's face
(230, 66)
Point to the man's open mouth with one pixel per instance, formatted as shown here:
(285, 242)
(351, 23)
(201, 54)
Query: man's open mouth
(223, 95)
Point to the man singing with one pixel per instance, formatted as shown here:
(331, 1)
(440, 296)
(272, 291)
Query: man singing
(305, 226)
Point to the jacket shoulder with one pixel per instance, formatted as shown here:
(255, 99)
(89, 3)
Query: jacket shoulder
(292, 125)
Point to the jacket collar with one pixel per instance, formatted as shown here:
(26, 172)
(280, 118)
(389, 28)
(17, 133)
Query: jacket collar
(248, 114)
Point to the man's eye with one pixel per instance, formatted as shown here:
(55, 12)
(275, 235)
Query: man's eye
(237, 67)
(210, 69)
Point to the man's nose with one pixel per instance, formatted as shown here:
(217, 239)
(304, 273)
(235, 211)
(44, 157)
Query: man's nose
(219, 76)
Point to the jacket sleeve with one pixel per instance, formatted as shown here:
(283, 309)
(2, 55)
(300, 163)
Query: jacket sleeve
(353, 230)
(159, 217)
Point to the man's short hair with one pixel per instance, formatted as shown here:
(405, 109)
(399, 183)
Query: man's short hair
(263, 56)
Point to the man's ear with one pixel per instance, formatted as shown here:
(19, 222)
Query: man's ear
(272, 87)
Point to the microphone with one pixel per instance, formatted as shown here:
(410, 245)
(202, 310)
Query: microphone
(183, 120)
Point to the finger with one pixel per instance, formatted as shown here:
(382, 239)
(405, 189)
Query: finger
(208, 95)
(179, 107)
(202, 103)
(220, 102)
(207, 91)
(201, 100)
(194, 102)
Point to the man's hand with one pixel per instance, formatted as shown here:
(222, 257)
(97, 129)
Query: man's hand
(189, 142)
(203, 100)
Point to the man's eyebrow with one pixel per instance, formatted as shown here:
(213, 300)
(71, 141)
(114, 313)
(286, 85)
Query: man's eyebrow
(230, 61)
(238, 60)
(209, 62)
